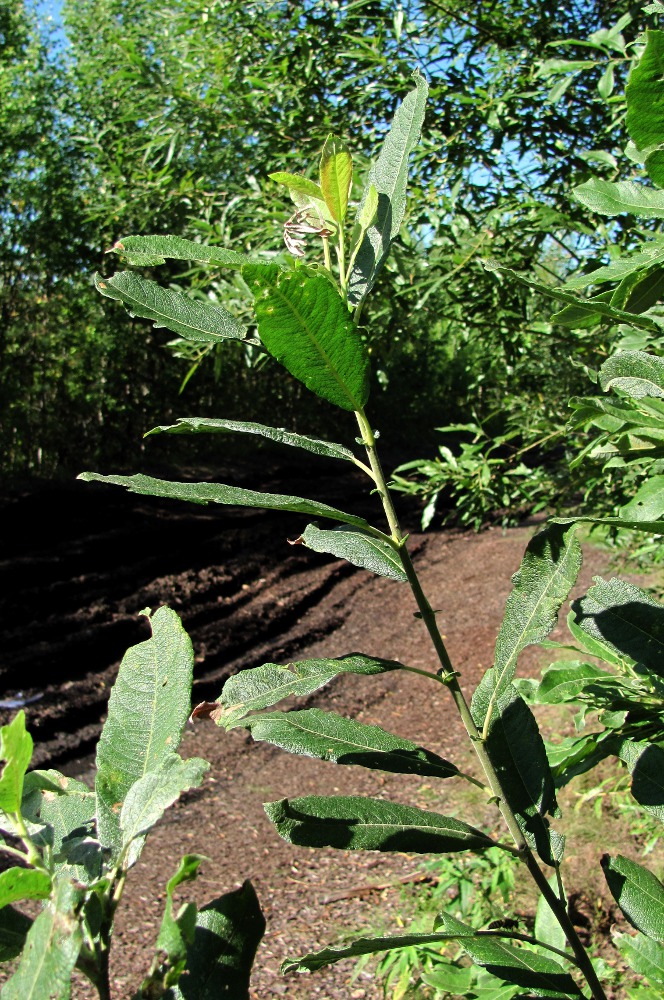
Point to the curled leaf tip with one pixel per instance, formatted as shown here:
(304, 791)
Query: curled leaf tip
(206, 710)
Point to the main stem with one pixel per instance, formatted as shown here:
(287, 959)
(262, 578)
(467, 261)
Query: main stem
(450, 677)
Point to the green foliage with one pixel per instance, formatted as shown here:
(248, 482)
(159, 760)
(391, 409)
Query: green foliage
(76, 846)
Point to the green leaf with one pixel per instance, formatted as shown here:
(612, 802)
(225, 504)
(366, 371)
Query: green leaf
(299, 184)
(389, 176)
(643, 956)
(558, 292)
(533, 972)
(638, 893)
(336, 175)
(227, 934)
(565, 682)
(147, 712)
(150, 796)
(147, 251)
(192, 319)
(362, 946)
(634, 372)
(649, 254)
(50, 953)
(177, 930)
(547, 574)
(620, 197)
(206, 425)
(264, 686)
(68, 809)
(516, 750)
(204, 493)
(357, 547)
(626, 619)
(647, 504)
(364, 824)
(640, 291)
(14, 927)
(328, 736)
(23, 883)
(645, 762)
(305, 325)
(645, 100)
(655, 167)
(653, 527)
(547, 928)
(16, 751)
(581, 316)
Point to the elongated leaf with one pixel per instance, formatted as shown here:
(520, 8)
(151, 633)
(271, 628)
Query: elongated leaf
(336, 175)
(150, 796)
(264, 686)
(228, 932)
(635, 372)
(582, 316)
(649, 254)
(652, 527)
(536, 973)
(206, 425)
(389, 176)
(620, 198)
(364, 824)
(298, 183)
(51, 950)
(655, 167)
(638, 893)
(565, 682)
(147, 712)
(192, 319)
(305, 325)
(362, 946)
(23, 883)
(558, 292)
(548, 572)
(233, 496)
(547, 928)
(627, 619)
(577, 755)
(16, 752)
(640, 291)
(357, 547)
(518, 755)
(647, 504)
(645, 102)
(148, 251)
(177, 930)
(645, 762)
(68, 809)
(14, 927)
(643, 956)
(329, 736)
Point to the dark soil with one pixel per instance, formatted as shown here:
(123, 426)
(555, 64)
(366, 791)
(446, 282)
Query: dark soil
(80, 563)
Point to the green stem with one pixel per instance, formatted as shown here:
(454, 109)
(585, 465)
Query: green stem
(450, 678)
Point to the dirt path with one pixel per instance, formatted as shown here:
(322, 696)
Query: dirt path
(245, 603)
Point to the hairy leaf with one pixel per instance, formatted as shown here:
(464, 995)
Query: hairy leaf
(645, 100)
(329, 736)
(336, 175)
(147, 712)
(564, 682)
(207, 425)
(643, 956)
(305, 325)
(620, 198)
(389, 177)
(627, 619)
(233, 496)
(535, 973)
(148, 251)
(150, 796)
(50, 953)
(357, 547)
(264, 686)
(298, 183)
(638, 893)
(645, 762)
(364, 824)
(16, 752)
(634, 372)
(192, 319)
(647, 504)
(219, 961)
(547, 574)
(67, 807)
(23, 883)
(517, 752)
